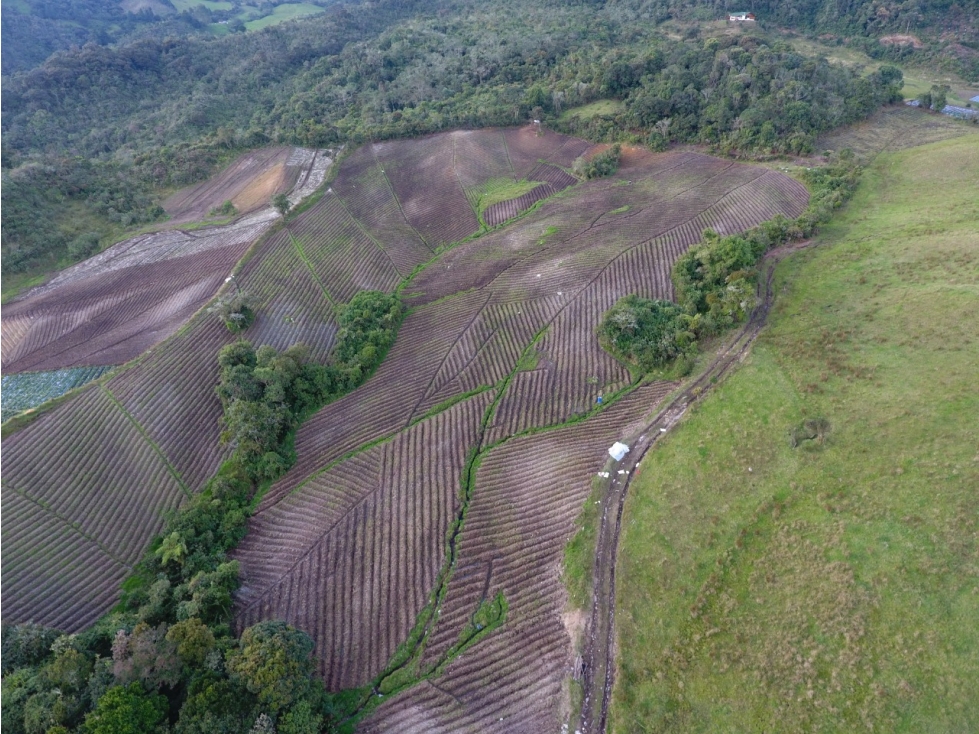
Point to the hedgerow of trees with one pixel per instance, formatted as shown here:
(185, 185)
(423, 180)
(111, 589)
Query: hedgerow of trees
(715, 281)
(166, 659)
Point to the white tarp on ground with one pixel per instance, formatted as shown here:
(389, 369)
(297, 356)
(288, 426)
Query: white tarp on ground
(618, 450)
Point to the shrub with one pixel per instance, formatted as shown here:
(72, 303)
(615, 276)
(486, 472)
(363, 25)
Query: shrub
(646, 332)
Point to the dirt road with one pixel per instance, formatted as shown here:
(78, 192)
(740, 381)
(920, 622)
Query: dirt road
(598, 654)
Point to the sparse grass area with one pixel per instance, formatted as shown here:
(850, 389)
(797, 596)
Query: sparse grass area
(579, 553)
(500, 189)
(916, 79)
(588, 111)
(833, 586)
(282, 13)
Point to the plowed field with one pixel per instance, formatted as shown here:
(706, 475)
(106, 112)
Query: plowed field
(433, 480)
(111, 308)
(507, 318)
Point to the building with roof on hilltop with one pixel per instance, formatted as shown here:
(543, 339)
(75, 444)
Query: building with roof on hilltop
(741, 17)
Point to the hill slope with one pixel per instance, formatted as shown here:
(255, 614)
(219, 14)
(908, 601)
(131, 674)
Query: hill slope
(828, 585)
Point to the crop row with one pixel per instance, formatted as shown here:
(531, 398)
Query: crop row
(527, 495)
(480, 156)
(102, 479)
(345, 259)
(526, 147)
(55, 576)
(423, 175)
(358, 584)
(504, 210)
(112, 318)
(384, 404)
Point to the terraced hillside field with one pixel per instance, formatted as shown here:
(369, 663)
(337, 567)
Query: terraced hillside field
(433, 480)
(500, 344)
(113, 307)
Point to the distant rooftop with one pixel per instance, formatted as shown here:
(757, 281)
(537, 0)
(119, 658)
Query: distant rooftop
(975, 99)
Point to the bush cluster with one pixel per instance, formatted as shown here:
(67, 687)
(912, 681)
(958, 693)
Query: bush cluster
(715, 281)
(602, 165)
(649, 333)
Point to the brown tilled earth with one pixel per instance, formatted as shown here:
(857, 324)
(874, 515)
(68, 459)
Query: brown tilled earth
(249, 183)
(113, 307)
(353, 541)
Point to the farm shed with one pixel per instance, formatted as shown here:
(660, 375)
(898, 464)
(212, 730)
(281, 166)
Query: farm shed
(741, 16)
(963, 113)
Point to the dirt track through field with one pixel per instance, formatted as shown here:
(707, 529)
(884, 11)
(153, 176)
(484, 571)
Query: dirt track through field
(598, 654)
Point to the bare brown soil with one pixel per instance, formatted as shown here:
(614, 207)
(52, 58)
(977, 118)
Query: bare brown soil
(249, 183)
(111, 308)
(899, 39)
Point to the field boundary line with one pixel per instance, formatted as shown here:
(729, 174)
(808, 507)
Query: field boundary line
(61, 518)
(146, 437)
(309, 266)
(340, 518)
(368, 234)
(445, 357)
(396, 199)
(506, 148)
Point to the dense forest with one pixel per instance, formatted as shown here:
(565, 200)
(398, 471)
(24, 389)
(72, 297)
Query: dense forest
(35, 29)
(155, 113)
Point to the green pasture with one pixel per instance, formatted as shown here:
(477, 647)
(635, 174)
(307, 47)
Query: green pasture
(182, 5)
(832, 586)
(287, 11)
(588, 111)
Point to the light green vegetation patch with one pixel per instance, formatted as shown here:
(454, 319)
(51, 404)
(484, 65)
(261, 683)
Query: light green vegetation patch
(497, 190)
(28, 390)
(832, 586)
(287, 11)
(588, 111)
(182, 5)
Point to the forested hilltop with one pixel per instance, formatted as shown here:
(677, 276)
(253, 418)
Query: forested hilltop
(35, 29)
(97, 130)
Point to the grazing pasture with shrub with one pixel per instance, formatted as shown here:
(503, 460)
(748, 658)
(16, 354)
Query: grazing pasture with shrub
(800, 554)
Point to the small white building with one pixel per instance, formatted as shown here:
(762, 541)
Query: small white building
(741, 17)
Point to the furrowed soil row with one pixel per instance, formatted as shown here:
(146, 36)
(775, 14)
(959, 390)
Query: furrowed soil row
(526, 148)
(480, 155)
(171, 395)
(111, 319)
(369, 199)
(100, 475)
(384, 550)
(499, 213)
(342, 255)
(386, 403)
(528, 492)
(292, 306)
(422, 175)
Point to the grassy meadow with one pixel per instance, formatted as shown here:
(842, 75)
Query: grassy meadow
(831, 586)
